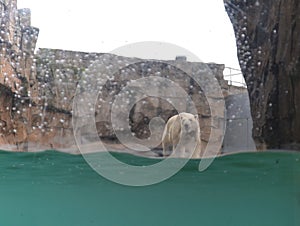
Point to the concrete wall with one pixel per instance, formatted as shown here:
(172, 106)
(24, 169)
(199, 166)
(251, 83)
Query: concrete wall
(238, 135)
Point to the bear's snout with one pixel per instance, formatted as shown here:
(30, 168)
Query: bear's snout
(186, 127)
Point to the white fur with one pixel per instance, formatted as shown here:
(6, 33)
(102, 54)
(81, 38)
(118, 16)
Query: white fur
(182, 135)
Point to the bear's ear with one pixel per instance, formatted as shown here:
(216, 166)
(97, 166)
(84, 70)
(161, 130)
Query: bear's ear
(196, 116)
(180, 116)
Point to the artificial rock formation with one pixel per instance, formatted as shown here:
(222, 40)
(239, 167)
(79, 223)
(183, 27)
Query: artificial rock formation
(37, 90)
(267, 36)
(26, 119)
(61, 72)
(17, 71)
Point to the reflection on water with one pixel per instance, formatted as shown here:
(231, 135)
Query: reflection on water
(52, 188)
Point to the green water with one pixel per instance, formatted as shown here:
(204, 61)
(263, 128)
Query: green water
(54, 189)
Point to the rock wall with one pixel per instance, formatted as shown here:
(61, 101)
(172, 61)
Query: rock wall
(17, 42)
(61, 71)
(17, 71)
(267, 36)
(37, 90)
(26, 120)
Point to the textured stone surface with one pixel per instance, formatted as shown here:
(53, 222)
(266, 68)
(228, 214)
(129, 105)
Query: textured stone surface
(37, 90)
(56, 68)
(25, 115)
(267, 35)
(17, 72)
(58, 74)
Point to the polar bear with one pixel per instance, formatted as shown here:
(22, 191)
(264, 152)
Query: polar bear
(182, 136)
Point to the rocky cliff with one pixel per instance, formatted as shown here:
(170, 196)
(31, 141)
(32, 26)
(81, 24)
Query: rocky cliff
(61, 71)
(267, 36)
(37, 90)
(44, 120)
(17, 71)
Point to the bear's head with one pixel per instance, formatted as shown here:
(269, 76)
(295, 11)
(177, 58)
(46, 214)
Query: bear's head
(189, 123)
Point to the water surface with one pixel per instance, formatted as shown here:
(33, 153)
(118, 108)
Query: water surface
(52, 188)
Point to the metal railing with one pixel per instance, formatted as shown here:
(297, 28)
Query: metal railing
(234, 77)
